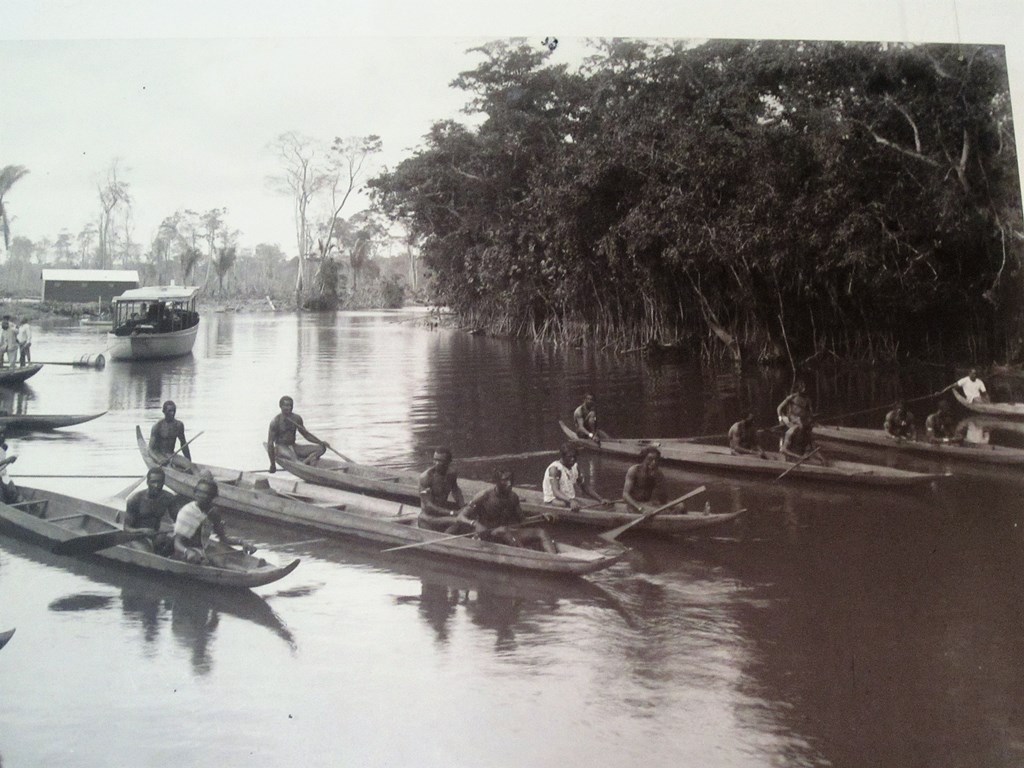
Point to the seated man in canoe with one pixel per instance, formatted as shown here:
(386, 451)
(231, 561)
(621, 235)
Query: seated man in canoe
(899, 423)
(942, 427)
(281, 437)
(193, 524)
(152, 510)
(562, 478)
(438, 484)
(798, 443)
(743, 437)
(166, 433)
(797, 405)
(495, 514)
(645, 482)
(8, 490)
(972, 388)
(584, 419)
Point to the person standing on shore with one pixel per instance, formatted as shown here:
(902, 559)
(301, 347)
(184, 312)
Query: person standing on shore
(24, 337)
(8, 342)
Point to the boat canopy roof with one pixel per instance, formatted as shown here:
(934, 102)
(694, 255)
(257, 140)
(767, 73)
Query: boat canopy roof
(160, 293)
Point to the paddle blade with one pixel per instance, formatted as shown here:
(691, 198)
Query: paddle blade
(124, 493)
(93, 542)
(614, 533)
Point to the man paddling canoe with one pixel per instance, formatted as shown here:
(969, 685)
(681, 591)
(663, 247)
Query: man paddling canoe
(584, 418)
(281, 437)
(496, 516)
(437, 484)
(146, 510)
(166, 433)
(743, 437)
(796, 406)
(972, 387)
(193, 523)
(644, 481)
(798, 443)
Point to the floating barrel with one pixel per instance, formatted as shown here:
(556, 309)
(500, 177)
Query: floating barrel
(97, 361)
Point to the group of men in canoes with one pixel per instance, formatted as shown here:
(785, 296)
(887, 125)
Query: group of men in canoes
(796, 417)
(169, 524)
(494, 514)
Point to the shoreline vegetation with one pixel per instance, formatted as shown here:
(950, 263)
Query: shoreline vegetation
(782, 203)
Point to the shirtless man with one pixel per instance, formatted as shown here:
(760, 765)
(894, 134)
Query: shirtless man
(585, 418)
(798, 442)
(743, 437)
(644, 481)
(166, 433)
(796, 406)
(281, 437)
(496, 516)
(899, 423)
(148, 508)
(941, 426)
(562, 478)
(437, 484)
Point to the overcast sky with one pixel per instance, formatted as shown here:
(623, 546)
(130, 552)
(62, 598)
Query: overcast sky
(188, 95)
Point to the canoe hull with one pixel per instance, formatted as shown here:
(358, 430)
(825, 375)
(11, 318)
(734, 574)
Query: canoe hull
(404, 486)
(44, 423)
(373, 519)
(49, 518)
(877, 438)
(152, 346)
(19, 374)
(1006, 410)
(721, 458)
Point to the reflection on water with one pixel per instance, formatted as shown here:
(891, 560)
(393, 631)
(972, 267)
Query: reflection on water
(829, 625)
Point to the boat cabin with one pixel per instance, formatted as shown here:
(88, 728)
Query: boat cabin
(158, 309)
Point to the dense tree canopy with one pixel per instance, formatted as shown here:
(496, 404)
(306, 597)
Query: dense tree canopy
(779, 199)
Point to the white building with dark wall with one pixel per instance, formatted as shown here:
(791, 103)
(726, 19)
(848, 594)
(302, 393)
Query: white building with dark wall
(83, 286)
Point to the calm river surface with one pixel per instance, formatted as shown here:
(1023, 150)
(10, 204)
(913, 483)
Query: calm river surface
(829, 626)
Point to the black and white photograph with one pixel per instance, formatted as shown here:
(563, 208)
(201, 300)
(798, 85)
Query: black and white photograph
(465, 385)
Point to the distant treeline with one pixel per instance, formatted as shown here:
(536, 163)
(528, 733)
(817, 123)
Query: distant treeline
(770, 200)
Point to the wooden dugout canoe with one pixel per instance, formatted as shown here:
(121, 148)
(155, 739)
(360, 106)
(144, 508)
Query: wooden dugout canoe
(373, 519)
(5, 637)
(50, 518)
(877, 438)
(717, 457)
(404, 486)
(1008, 410)
(44, 422)
(18, 374)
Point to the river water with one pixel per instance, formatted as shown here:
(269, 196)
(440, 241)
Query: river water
(828, 626)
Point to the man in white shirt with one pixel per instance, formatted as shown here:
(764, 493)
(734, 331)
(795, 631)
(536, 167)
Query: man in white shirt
(562, 479)
(972, 387)
(25, 341)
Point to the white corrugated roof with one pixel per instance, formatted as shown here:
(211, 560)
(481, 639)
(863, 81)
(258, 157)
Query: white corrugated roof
(93, 275)
(159, 293)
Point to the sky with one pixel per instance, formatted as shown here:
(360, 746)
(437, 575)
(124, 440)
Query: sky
(187, 97)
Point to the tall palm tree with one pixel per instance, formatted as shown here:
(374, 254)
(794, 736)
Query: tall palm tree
(9, 175)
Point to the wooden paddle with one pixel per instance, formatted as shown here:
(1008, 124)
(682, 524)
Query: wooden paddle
(527, 521)
(614, 533)
(123, 493)
(94, 542)
(341, 456)
(800, 461)
(594, 504)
